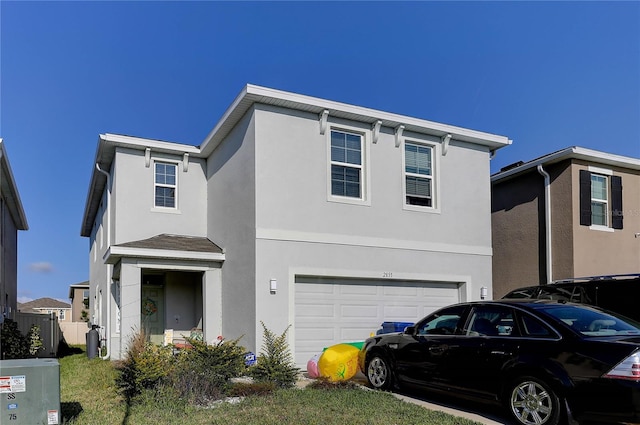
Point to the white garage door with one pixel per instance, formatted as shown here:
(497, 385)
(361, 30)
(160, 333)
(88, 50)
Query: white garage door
(329, 311)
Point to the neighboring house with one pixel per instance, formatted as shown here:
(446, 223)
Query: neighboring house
(61, 309)
(294, 211)
(79, 296)
(12, 219)
(571, 213)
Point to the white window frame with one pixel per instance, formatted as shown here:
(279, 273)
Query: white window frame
(62, 314)
(435, 180)
(604, 173)
(164, 185)
(365, 198)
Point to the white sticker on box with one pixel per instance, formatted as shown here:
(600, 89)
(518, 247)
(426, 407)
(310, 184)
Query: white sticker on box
(52, 417)
(13, 384)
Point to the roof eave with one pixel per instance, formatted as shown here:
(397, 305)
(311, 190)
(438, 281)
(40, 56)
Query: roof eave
(13, 202)
(573, 152)
(251, 94)
(115, 253)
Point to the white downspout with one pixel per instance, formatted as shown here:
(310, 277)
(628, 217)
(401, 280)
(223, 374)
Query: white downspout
(108, 327)
(547, 221)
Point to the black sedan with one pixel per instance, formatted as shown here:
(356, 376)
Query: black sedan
(547, 362)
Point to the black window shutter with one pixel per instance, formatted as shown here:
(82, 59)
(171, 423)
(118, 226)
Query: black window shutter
(585, 198)
(616, 202)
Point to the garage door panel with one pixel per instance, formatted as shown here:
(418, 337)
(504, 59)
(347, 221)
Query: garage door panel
(397, 313)
(358, 311)
(329, 311)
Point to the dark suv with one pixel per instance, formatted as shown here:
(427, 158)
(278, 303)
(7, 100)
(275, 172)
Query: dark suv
(617, 293)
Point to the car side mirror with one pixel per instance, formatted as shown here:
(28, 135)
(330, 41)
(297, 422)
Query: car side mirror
(410, 330)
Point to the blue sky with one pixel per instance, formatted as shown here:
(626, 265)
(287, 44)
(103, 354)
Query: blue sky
(546, 74)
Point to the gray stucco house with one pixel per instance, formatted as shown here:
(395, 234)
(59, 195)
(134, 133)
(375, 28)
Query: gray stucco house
(12, 219)
(294, 210)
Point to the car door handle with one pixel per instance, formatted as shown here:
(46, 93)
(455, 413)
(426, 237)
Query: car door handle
(499, 352)
(437, 350)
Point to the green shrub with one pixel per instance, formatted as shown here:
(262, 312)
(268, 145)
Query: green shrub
(275, 362)
(13, 344)
(144, 365)
(203, 371)
(34, 340)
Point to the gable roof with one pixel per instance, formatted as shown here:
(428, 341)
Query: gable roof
(572, 152)
(43, 303)
(10, 191)
(81, 285)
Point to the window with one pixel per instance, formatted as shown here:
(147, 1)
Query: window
(165, 185)
(599, 204)
(418, 175)
(346, 164)
(446, 322)
(600, 199)
(61, 314)
(85, 298)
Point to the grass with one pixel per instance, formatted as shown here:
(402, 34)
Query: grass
(89, 396)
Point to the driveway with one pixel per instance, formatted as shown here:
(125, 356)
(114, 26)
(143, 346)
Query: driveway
(478, 412)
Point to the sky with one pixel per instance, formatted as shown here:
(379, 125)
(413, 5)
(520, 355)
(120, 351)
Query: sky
(548, 75)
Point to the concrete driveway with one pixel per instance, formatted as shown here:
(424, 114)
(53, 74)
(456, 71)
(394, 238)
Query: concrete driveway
(478, 412)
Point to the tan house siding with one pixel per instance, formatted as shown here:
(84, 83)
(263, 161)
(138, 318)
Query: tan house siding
(600, 252)
(516, 233)
(561, 222)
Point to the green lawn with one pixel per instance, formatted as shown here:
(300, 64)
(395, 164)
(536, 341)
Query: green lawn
(89, 396)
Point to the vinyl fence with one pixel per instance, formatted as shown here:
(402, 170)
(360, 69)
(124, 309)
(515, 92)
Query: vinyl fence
(75, 333)
(50, 331)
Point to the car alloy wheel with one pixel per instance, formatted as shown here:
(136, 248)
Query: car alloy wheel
(532, 402)
(378, 373)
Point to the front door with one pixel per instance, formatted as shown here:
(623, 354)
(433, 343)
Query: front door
(153, 313)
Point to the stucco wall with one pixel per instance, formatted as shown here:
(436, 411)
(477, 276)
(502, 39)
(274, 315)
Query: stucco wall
(518, 233)
(136, 217)
(299, 228)
(231, 222)
(617, 252)
(8, 263)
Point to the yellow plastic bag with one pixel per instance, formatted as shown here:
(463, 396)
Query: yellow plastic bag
(339, 362)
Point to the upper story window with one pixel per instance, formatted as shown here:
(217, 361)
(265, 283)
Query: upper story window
(165, 185)
(418, 175)
(61, 314)
(600, 199)
(346, 164)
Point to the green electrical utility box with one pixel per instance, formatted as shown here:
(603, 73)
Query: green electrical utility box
(30, 392)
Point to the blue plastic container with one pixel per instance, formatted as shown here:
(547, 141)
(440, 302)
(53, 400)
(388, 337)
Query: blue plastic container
(389, 327)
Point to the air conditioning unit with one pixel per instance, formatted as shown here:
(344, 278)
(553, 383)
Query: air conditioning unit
(30, 392)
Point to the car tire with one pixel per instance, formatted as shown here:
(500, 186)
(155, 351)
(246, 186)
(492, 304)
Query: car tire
(531, 401)
(378, 372)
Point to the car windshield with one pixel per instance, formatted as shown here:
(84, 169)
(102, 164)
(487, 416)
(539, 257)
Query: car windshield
(592, 322)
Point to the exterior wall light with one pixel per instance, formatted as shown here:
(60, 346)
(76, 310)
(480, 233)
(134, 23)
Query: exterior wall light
(273, 286)
(483, 292)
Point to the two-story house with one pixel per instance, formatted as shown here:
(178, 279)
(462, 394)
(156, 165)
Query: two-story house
(571, 213)
(294, 211)
(12, 219)
(79, 296)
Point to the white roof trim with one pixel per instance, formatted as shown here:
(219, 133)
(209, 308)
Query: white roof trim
(13, 198)
(574, 152)
(114, 253)
(251, 94)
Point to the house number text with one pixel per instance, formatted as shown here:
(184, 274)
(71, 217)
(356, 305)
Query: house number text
(387, 274)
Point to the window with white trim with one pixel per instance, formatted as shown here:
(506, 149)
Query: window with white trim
(165, 185)
(346, 164)
(418, 175)
(61, 314)
(599, 200)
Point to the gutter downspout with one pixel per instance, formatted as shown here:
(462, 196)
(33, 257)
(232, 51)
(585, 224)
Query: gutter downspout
(547, 221)
(108, 327)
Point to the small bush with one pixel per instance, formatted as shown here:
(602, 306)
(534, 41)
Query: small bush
(202, 373)
(144, 365)
(13, 344)
(34, 341)
(275, 363)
